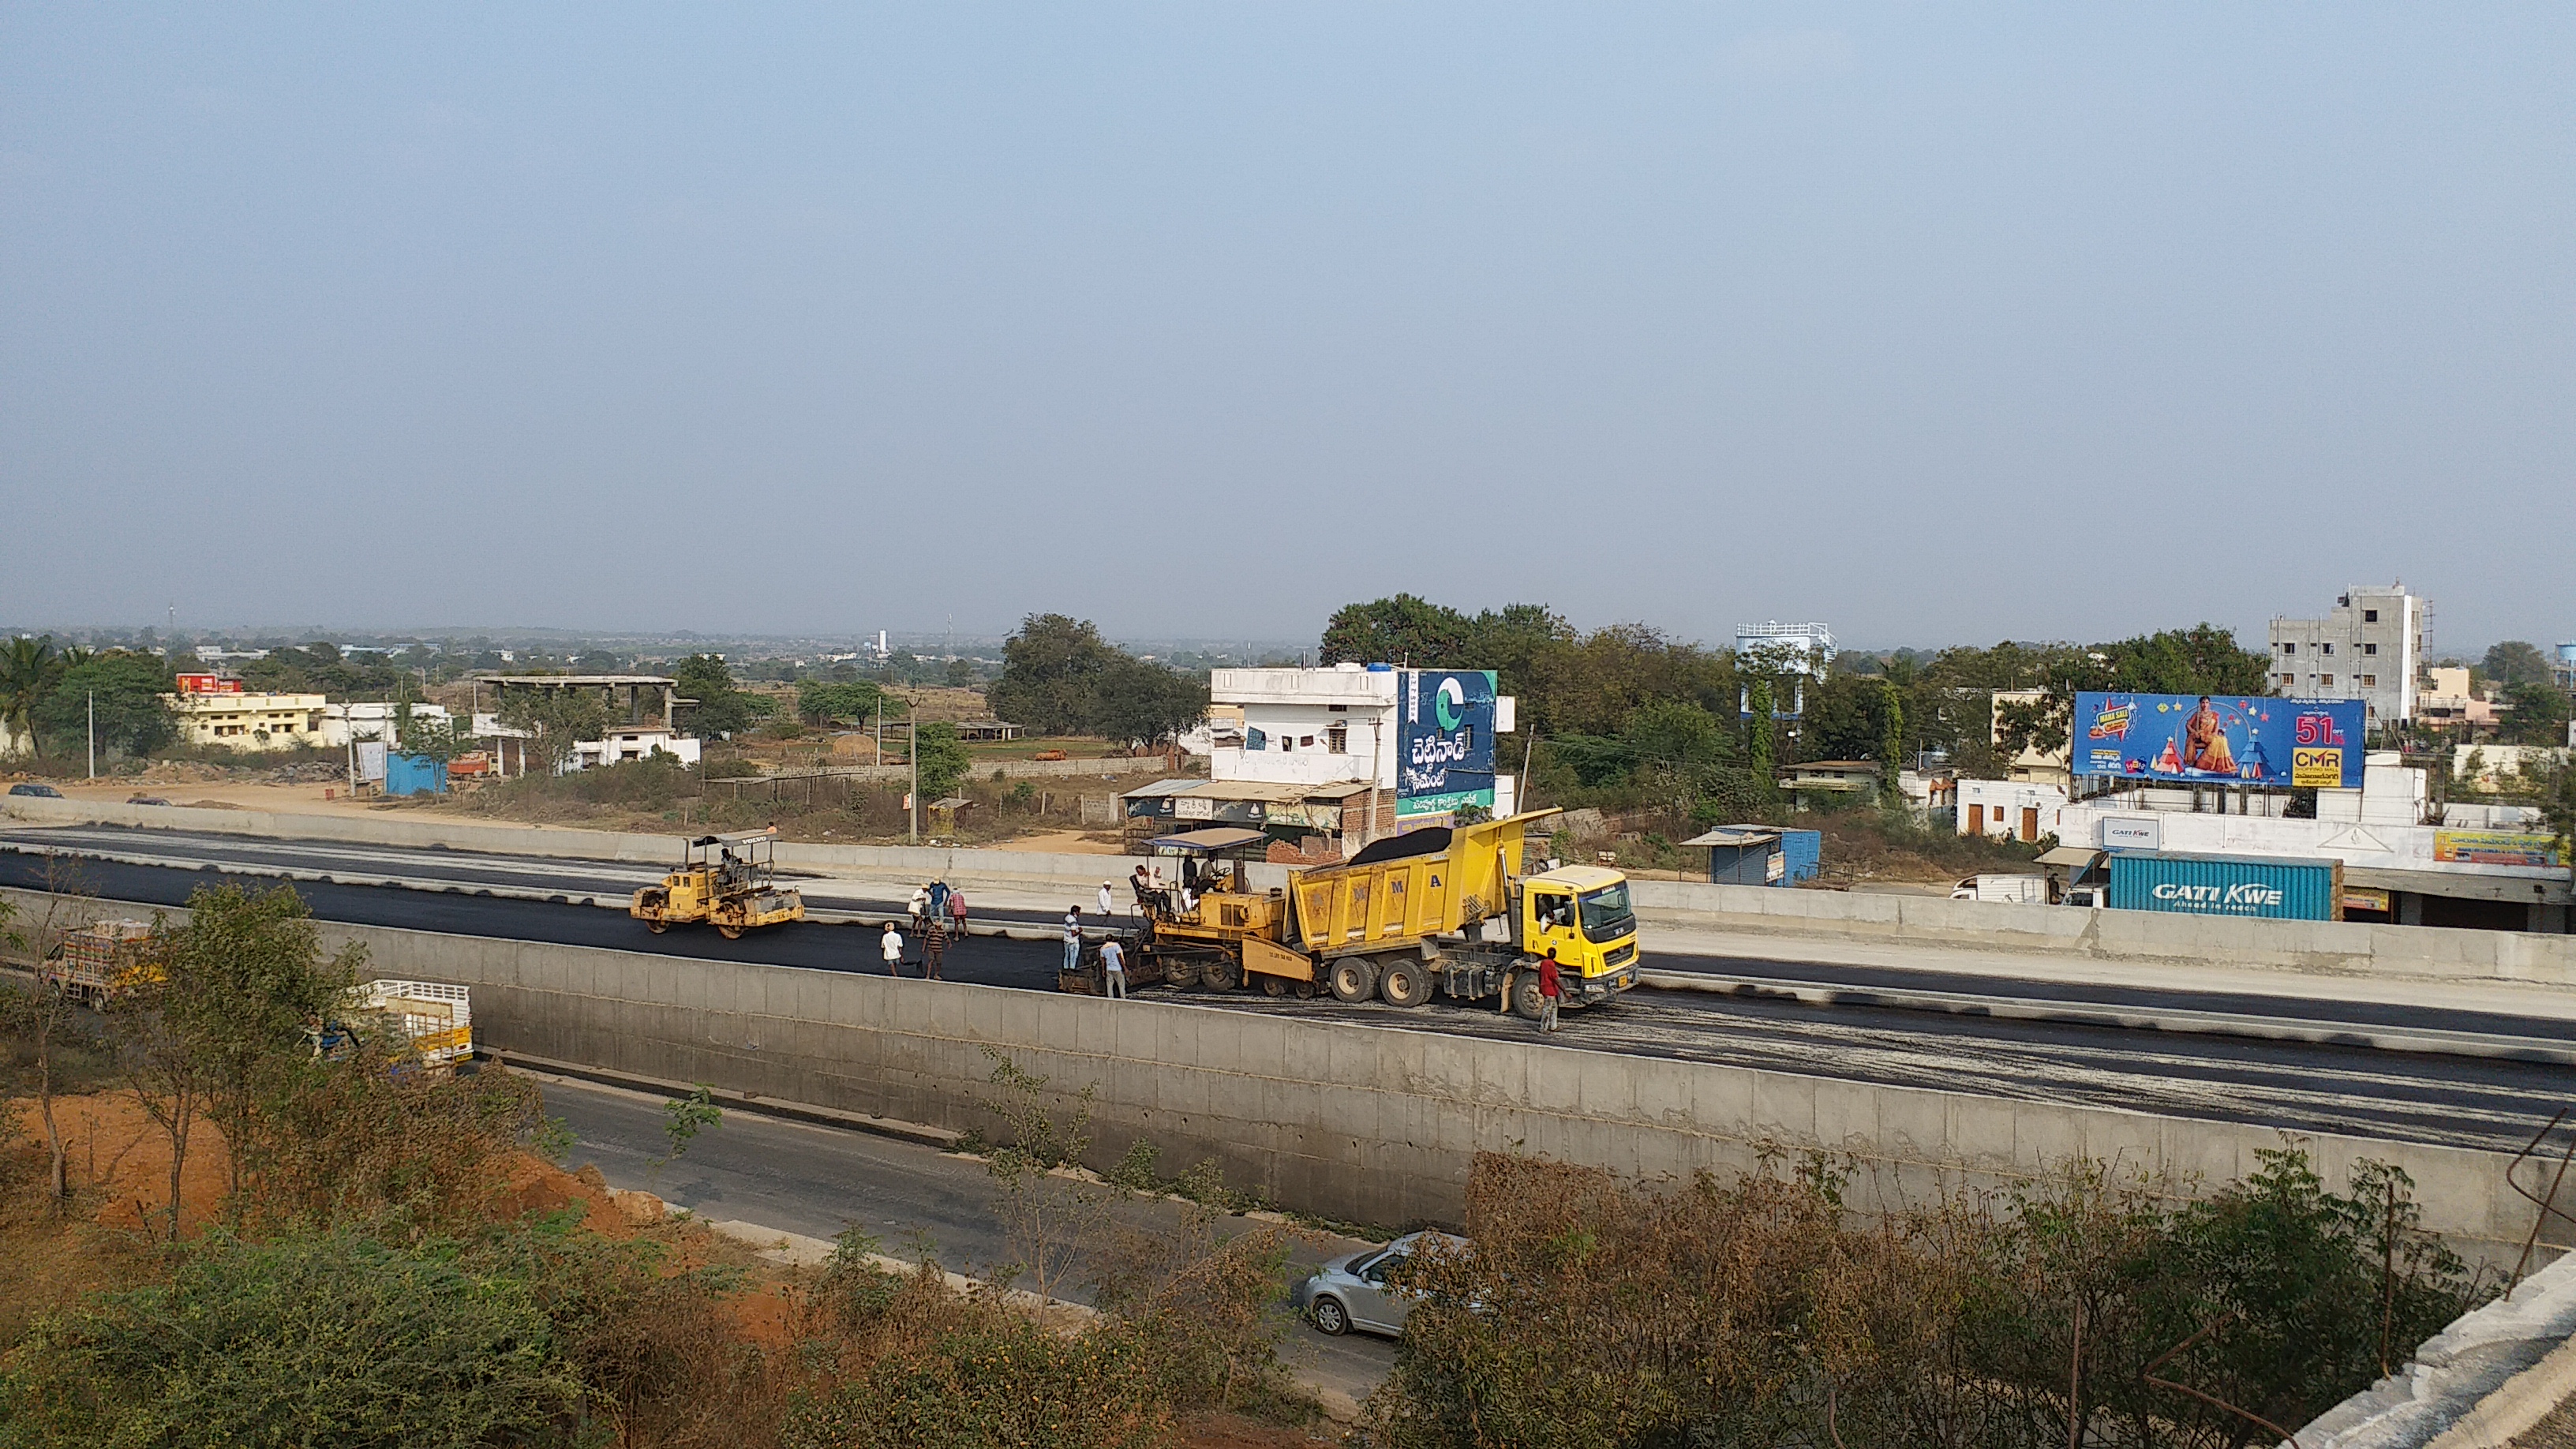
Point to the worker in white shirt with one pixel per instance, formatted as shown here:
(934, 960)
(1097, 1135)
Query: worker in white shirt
(891, 944)
(1073, 939)
(1107, 903)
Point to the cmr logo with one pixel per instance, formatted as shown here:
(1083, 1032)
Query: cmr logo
(2244, 896)
(2317, 767)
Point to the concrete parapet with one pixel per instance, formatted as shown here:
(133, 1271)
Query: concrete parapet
(1365, 1123)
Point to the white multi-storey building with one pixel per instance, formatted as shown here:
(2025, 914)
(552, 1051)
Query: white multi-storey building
(2369, 646)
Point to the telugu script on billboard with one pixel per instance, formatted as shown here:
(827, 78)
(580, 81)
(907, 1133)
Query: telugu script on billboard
(2193, 739)
(2495, 847)
(1444, 741)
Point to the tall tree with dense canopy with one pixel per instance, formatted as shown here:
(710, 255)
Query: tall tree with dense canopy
(132, 717)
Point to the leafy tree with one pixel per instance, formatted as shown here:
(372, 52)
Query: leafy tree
(556, 720)
(1140, 701)
(26, 668)
(825, 702)
(1674, 732)
(1401, 630)
(1762, 756)
(320, 668)
(132, 717)
(242, 982)
(721, 709)
(2539, 713)
(942, 761)
(1051, 669)
(2515, 661)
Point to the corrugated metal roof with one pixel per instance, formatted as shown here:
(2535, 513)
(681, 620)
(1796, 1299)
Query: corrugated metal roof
(1221, 837)
(2077, 855)
(1735, 835)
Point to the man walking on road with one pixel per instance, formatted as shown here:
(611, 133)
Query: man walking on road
(891, 944)
(1551, 989)
(1113, 968)
(1073, 939)
(1108, 903)
(934, 944)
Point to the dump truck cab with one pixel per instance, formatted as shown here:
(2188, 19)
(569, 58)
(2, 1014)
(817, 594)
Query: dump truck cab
(1584, 912)
(729, 881)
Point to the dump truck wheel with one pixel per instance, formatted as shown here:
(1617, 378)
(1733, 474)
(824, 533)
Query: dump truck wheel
(1404, 983)
(730, 933)
(1352, 978)
(1526, 1002)
(1221, 974)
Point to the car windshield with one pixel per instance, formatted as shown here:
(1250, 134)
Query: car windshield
(1606, 916)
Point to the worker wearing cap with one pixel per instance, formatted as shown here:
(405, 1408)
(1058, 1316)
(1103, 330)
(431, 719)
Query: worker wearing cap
(1107, 902)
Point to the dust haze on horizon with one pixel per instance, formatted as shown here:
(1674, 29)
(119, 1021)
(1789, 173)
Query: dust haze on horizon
(2036, 323)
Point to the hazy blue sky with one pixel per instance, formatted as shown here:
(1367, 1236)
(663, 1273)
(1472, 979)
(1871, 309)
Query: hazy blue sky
(2053, 321)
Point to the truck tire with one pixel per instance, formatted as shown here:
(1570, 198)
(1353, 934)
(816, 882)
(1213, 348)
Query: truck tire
(1221, 973)
(1525, 997)
(1404, 982)
(1352, 978)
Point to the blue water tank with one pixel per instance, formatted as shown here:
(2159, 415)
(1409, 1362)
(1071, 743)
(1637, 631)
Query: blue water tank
(1381, 669)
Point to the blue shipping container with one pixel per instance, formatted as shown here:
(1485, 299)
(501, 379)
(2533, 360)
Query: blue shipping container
(2248, 886)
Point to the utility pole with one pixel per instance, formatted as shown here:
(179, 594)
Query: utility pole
(912, 757)
(93, 734)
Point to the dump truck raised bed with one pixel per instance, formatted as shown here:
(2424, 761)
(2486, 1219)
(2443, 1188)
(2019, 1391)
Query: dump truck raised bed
(1433, 912)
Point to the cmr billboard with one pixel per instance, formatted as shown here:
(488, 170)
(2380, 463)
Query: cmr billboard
(2190, 739)
(1444, 741)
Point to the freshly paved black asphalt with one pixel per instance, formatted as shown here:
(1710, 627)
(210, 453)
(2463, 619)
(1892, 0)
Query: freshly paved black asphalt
(2297, 1085)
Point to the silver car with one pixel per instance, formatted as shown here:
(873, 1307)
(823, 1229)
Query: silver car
(1351, 1291)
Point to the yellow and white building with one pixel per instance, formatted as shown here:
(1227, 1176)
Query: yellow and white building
(243, 721)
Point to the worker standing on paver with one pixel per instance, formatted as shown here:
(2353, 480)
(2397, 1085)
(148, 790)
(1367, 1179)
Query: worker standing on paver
(1113, 968)
(1073, 939)
(1551, 989)
(891, 946)
(934, 944)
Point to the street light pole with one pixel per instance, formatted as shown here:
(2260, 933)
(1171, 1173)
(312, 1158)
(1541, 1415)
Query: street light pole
(912, 758)
(93, 734)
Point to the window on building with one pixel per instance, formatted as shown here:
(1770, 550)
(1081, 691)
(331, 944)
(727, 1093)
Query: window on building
(2289, 680)
(2325, 649)
(2370, 616)
(2370, 681)
(1337, 738)
(2327, 680)
(2289, 648)
(2370, 649)
(1306, 742)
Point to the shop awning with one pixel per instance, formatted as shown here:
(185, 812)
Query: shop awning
(1221, 837)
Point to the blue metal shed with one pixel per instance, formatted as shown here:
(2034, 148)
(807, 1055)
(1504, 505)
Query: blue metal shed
(1804, 852)
(1746, 854)
(414, 775)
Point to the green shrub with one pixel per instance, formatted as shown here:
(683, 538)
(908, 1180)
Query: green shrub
(330, 1339)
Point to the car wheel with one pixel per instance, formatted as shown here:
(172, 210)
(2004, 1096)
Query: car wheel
(1352, 978)
(1331, 1317)
(1404, 983)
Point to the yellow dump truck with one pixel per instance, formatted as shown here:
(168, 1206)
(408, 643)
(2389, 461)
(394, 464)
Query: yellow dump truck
(1443, 911)
(729, 881)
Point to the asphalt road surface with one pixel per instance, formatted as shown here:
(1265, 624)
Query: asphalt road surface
(2310, 1086)
(918, 1202)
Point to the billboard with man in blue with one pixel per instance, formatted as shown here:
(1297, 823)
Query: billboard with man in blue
(2188, 739)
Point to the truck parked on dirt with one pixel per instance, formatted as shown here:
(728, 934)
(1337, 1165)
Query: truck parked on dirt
(2028, 890)
(1443, 911)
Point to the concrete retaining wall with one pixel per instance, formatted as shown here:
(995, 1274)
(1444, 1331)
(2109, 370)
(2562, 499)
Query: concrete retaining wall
(2340, 946)
(1364, 1123)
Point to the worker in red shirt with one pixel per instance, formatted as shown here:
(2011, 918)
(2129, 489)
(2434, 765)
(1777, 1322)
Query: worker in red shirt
(1551, 989)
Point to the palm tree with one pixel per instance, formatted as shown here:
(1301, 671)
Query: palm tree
(26, 666)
